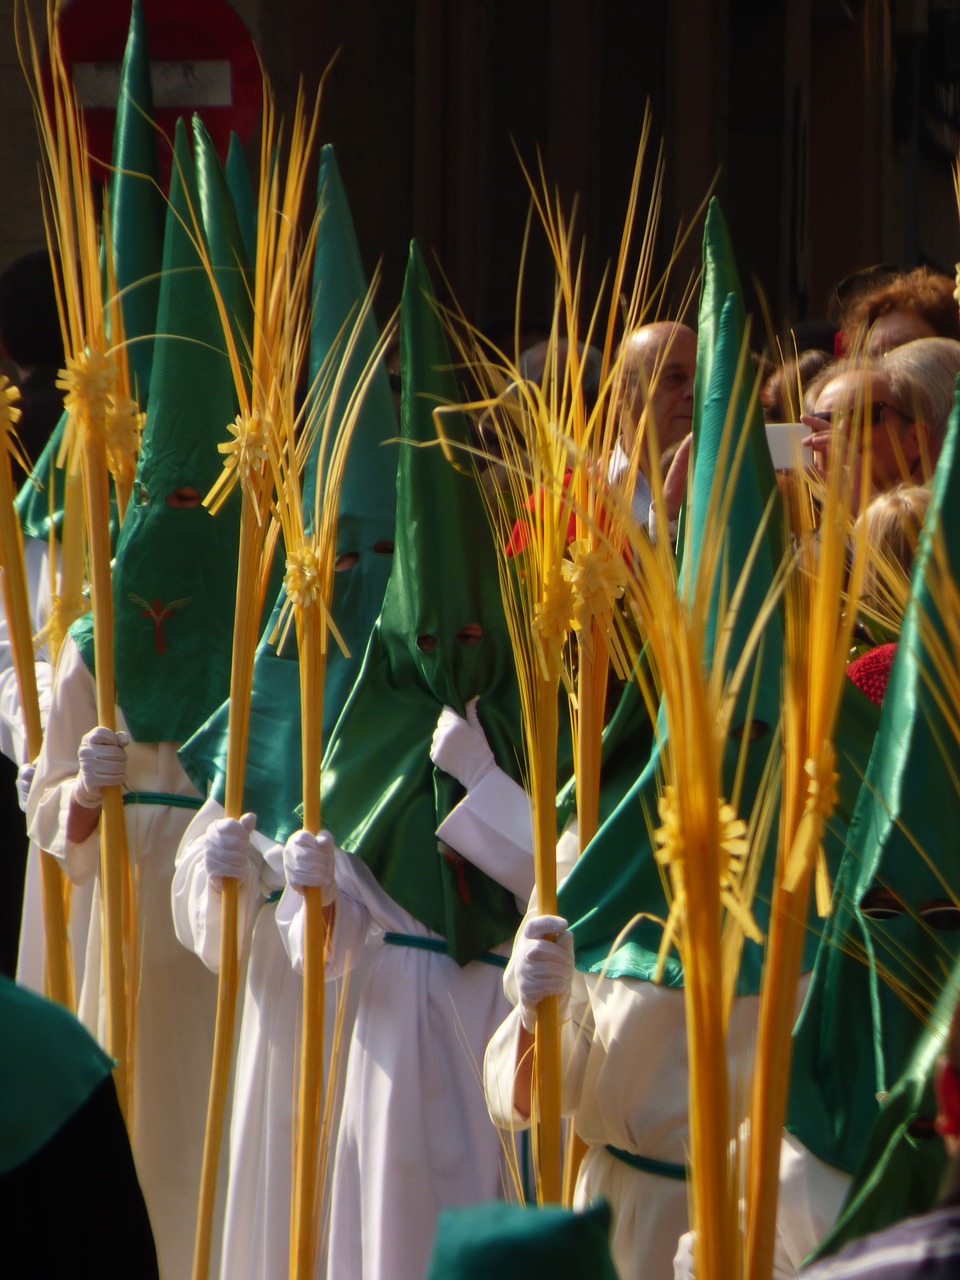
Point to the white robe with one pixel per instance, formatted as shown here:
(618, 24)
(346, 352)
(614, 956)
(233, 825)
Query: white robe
(626, 1081)
(256, 1234)
(176, 1004)
(811, 1197)
(414, 1134)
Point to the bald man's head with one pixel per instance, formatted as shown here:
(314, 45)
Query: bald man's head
(658, 360)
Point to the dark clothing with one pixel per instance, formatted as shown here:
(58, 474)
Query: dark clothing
(41, 407)
(922, 1248)
(75, 1208)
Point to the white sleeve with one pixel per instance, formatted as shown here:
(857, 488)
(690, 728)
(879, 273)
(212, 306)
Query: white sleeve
(197, 906)
(73, 712)
(492, 827)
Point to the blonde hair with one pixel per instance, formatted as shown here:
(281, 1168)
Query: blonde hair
(892, 522)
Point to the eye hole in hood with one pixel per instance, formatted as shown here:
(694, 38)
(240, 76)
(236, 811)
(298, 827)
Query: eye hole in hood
(184, 497)
(881, 903)
(941, 914)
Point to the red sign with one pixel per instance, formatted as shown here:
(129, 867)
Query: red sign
(202, 59)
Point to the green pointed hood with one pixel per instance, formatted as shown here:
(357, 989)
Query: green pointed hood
(137, 206)
(221, 226)
(365, 527)
(175, 570)
(241, 188)
(857, 1031)
(382, 797)
(721, 328)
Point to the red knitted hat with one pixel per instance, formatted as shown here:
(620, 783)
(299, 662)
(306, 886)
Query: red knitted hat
(871, 671)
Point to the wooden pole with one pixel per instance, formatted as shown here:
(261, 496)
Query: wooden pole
(547, 1073)
(304, 1237)
(246, 626)
(114, 857)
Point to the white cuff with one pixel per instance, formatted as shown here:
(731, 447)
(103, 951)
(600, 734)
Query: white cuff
(492, 827)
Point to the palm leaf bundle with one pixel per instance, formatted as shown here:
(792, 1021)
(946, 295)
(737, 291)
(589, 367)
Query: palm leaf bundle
(324, 430)
(706, 844)
(563, 569)
(91, 383)
(266, 376)
(711, 636)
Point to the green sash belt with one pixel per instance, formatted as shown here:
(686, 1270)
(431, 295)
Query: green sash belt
(274, 897)
(162, 797)
(437, 944)
(662, 1168)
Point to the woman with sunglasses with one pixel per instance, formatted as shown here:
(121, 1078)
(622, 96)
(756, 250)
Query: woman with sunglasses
(899, 402)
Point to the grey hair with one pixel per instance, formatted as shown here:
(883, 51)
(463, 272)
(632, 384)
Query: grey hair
(923, 374)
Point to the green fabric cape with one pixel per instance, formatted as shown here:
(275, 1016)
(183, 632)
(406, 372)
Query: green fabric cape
(241, 188)
(856, 1034)
(48, 1069)
(174, 577)
(273, 783)
(903, 1164)
(382, 797)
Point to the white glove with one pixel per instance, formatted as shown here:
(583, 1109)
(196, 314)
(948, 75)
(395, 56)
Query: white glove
(24, 782)
(460, 746)
(683, 1262)
(544, 968)
(227, 851)
(103, 763)
(308, 862)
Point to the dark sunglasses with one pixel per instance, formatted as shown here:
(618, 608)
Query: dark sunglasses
(877, 409)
